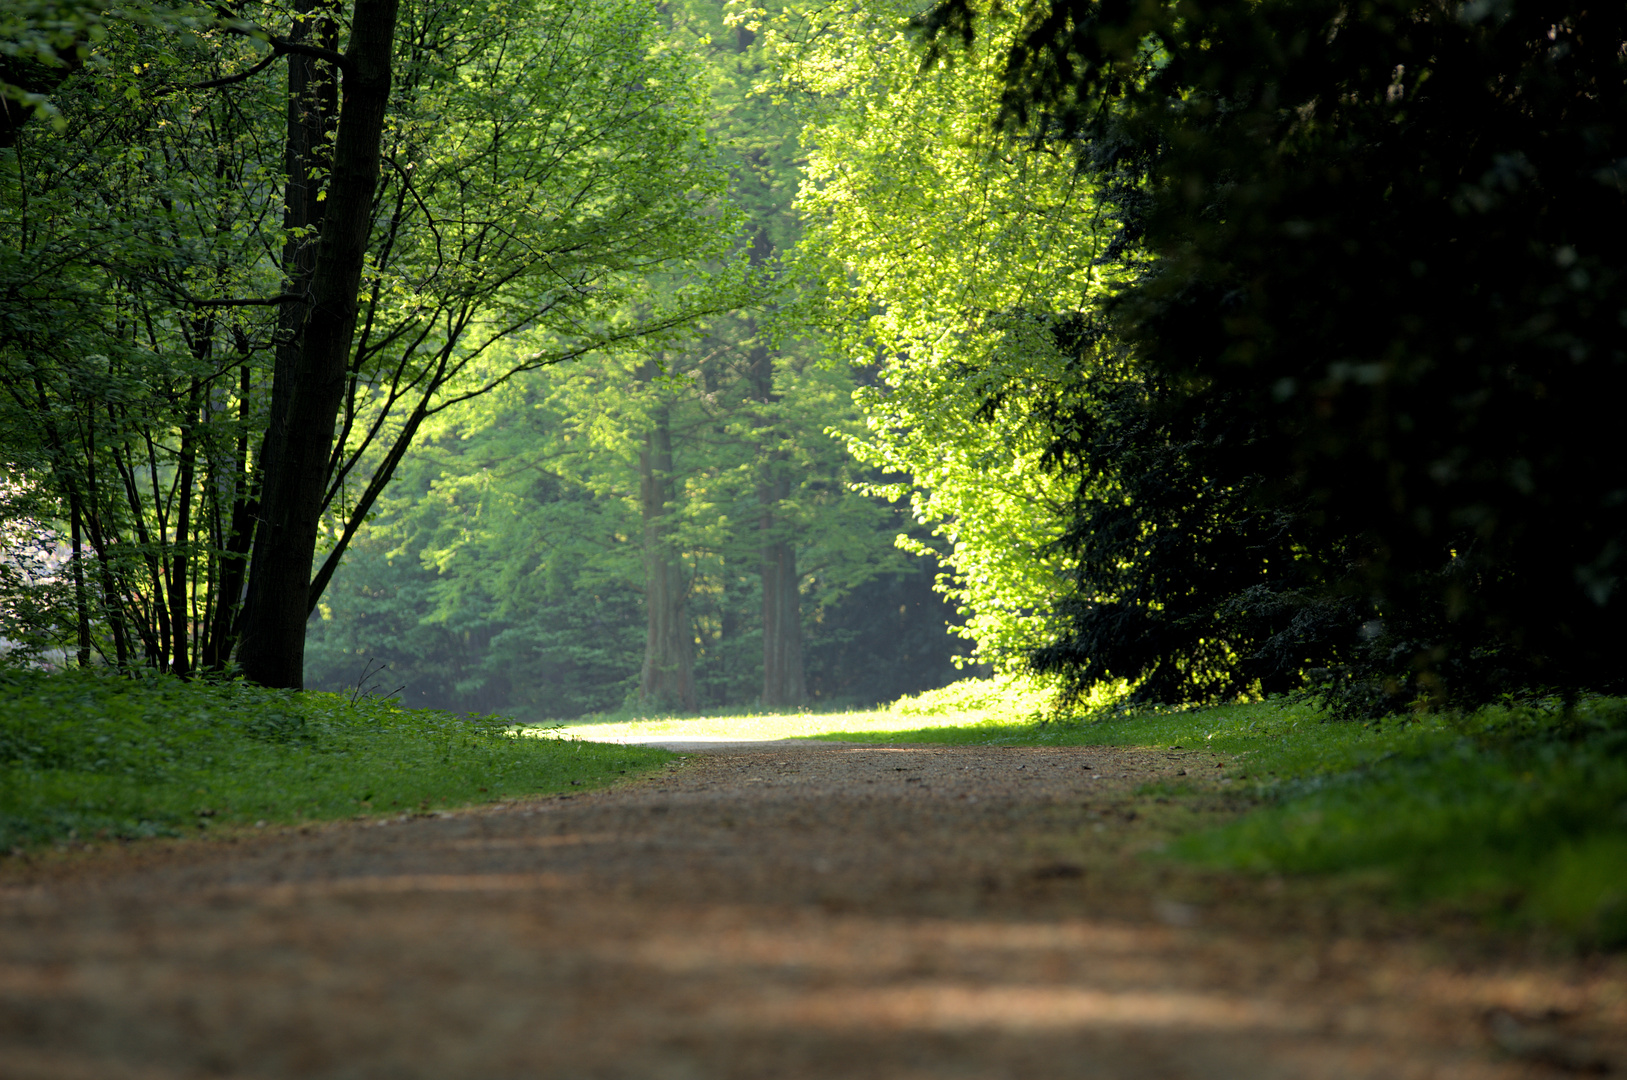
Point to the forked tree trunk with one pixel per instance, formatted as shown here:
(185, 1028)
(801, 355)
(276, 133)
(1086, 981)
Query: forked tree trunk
(668, 678)
(307, 390)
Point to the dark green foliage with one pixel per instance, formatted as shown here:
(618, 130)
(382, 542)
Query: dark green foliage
(564, 652)
(379, 626)
(1192, 583)
(1383, 331)
(886, 639)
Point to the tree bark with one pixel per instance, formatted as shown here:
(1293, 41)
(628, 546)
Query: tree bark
(668, 678)
(308, 389)
(81, 603)
(784, 685)
(234, 543)
(180, 628)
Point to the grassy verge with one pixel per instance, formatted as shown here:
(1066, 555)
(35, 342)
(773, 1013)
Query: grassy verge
(1518, 814)
(88, 755)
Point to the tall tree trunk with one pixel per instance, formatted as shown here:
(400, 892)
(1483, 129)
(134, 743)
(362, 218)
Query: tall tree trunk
(783, 683)
(81, 602)
(307, 391)
(668, 678)
(234, 550)
(180, 630)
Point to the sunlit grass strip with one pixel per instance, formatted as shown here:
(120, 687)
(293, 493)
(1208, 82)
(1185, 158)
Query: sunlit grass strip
(92, 755)
(744, 727)
(969, 703)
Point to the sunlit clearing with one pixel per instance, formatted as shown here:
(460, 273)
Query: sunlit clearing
(703, 729)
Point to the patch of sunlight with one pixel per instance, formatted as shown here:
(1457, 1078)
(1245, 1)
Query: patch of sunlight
(746, 728)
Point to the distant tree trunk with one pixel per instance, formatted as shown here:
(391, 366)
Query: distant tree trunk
(308, 388)
(783, 683)
(668, 678)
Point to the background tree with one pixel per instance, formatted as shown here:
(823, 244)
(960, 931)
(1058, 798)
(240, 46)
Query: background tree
(760, 142)
(719, 491)
(939, 255)
(540, 163)
(135, 388)
(510, 564)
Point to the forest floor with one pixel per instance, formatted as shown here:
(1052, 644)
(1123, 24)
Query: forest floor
(780, 910)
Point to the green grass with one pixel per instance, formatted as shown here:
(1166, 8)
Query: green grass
(87, 754)
(1516, 813)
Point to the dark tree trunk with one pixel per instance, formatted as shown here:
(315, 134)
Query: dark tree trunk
(234, 550)
(180, 632)
(308, 389)
(100, 542)
(668, 678)
(81, 602)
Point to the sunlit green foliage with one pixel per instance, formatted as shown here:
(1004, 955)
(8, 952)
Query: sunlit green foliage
(505, 568)
(942, 253)
(515, 537)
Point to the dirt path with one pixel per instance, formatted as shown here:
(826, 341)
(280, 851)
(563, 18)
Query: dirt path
(773, 912)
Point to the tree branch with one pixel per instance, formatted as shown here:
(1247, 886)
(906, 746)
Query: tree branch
(315, 52)
(255, 301)
(241, 76)
(233, 23)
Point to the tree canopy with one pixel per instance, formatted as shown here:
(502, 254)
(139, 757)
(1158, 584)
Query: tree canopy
(1208, 347)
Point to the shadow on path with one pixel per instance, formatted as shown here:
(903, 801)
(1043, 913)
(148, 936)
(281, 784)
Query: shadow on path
(780, 910)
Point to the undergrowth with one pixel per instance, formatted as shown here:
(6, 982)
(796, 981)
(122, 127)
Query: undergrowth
(86, 754)
(1517, 813)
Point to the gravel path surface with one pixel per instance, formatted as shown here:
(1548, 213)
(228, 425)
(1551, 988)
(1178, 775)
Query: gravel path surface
(767, 911)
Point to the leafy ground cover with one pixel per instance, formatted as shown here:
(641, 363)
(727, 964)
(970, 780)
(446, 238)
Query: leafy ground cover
(86, 754)
(1517, 813)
